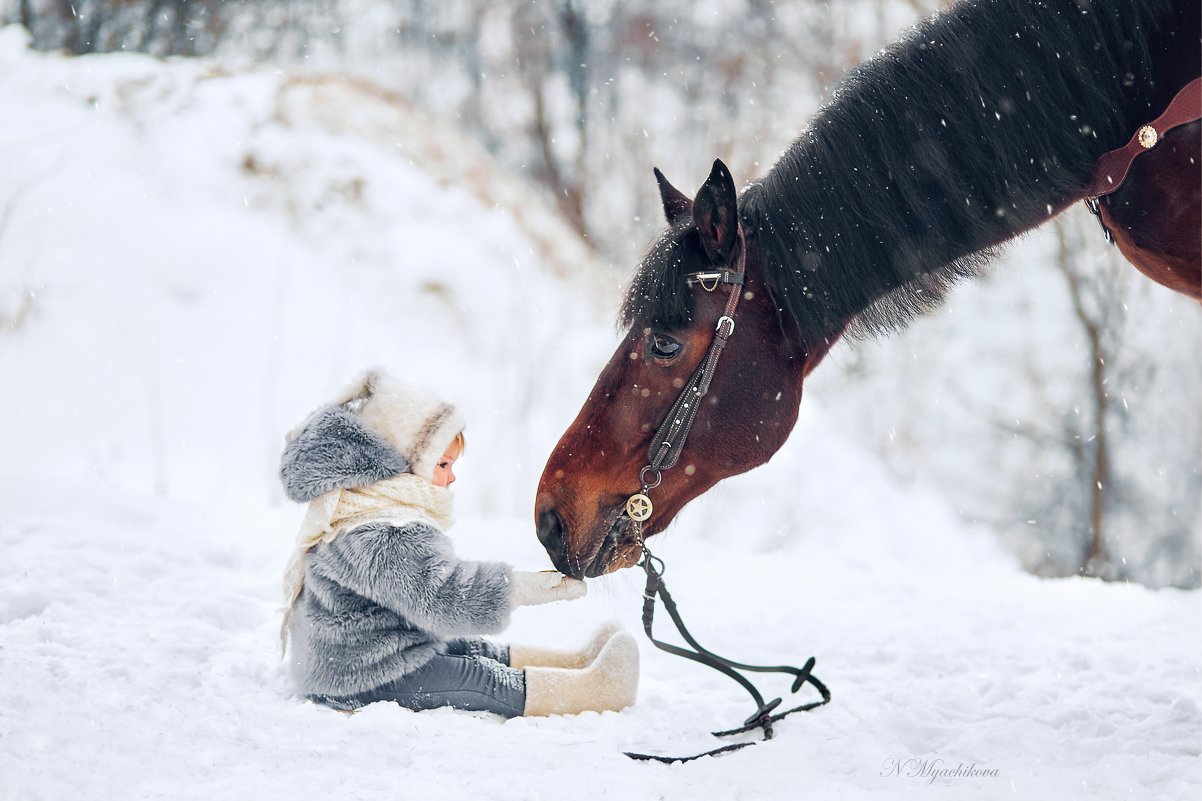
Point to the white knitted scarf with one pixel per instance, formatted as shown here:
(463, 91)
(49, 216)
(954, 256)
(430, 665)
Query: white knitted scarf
(401, 500)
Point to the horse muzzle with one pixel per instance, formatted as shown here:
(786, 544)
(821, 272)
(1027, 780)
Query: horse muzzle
(618, 547)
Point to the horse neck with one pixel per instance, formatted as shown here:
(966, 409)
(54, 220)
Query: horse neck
(984, 123)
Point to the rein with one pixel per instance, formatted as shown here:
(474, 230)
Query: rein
(663, 454)
(763, 717)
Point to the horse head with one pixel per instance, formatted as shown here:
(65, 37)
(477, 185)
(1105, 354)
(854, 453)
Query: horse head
(865, 221)
(670, 318)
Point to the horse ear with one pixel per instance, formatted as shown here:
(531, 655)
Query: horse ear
(716, 213)
(676, 203)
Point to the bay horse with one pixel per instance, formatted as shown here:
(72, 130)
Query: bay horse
(984, 122)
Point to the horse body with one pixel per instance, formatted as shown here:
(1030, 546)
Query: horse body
(1155, 217)
(985, 122)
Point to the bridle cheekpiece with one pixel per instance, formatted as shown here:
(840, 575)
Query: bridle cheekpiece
(669, 439)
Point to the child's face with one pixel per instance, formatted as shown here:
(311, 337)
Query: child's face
(444, 475)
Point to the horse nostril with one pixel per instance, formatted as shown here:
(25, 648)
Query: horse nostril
(550, 532)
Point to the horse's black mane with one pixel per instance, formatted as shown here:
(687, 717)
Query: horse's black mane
(976, 126)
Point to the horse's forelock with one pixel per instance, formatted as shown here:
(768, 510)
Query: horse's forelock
(658, 295)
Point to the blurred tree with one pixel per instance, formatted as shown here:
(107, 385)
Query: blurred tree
(1104, 508)
(558, 48)
(1098, 299)
(1081, 498)
(1054, 400)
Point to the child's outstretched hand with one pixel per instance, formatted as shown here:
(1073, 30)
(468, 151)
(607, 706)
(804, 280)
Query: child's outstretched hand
(530, 589)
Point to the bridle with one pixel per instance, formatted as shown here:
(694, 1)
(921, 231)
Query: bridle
(663, 454)
(669, 439)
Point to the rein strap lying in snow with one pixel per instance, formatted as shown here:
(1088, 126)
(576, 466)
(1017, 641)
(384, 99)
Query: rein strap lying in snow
(763, 717)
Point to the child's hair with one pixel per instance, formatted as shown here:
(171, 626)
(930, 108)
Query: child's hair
(459, 444)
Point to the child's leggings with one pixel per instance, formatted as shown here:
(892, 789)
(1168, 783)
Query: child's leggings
(472, 674)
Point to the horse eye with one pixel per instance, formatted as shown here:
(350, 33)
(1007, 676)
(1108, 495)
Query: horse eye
(664, 347)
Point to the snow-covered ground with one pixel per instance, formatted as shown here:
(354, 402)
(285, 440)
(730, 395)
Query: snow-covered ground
(191, 259)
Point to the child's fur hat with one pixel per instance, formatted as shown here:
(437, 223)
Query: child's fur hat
(415, 421)
(331, 449)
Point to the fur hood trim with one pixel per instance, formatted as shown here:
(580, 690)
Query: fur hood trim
(335, 450)
(376, 429)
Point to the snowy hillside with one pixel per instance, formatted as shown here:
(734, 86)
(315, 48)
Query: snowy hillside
(193, 257)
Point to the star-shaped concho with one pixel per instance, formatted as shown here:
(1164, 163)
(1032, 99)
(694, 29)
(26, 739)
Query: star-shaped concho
(638, 507)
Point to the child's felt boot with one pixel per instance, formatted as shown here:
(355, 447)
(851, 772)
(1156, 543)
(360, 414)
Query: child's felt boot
(609, 683)
(524, 656)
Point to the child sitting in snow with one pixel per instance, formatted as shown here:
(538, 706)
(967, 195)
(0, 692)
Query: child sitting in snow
(378, 606)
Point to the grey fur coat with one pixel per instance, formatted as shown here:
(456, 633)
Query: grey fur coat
(379, 601)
